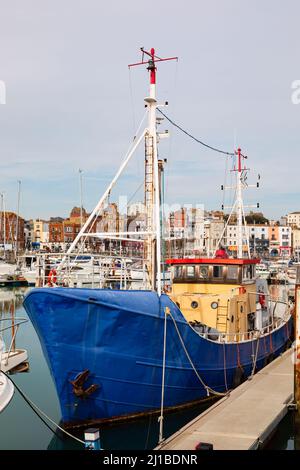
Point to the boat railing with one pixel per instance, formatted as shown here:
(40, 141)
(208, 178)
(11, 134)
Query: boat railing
(95, 270)
(243, 336)
(276, 322)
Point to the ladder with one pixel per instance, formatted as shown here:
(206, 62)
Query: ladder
(222, 318)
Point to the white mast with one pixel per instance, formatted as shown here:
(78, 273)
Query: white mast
(239, 206)
(152, 197)
(3, 220)
(152, 184)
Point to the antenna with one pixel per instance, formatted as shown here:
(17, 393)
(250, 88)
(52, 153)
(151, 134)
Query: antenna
(150, 62)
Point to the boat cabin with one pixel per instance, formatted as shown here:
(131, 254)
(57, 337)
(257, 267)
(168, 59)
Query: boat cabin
(214, 293)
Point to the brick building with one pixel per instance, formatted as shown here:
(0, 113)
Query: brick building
(12, 227)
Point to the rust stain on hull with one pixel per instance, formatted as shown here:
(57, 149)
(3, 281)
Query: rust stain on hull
(134, 416)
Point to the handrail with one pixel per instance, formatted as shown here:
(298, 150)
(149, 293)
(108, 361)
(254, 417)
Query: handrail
(248, 335)
(97, 269)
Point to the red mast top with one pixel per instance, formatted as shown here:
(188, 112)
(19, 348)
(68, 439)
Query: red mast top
(151, 63)
(239, 154)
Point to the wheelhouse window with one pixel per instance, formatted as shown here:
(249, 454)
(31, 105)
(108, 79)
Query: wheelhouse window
(217, 272)
(178, 271)
(232, 272)
(248, 272)
(190, 271)
(203, 272)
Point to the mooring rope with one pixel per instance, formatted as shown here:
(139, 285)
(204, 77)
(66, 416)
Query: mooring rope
(37, 410)
(161, 417)
(207, 388)
(255, 357)
(224, 361)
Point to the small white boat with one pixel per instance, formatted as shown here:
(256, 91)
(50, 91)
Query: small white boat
(7, 269)
(6, 386)
(6, 391)
(262, 271)
(11, 360)
(291, 276)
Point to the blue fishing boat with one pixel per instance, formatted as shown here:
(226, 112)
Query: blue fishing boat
(115, 354)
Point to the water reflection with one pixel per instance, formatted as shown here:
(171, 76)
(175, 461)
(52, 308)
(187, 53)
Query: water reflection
(141, 434)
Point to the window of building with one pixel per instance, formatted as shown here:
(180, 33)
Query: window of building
(68, 229)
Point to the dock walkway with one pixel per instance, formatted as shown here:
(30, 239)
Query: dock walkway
(246, 418)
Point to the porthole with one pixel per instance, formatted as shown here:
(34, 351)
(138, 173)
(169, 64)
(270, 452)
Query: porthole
(194, 304)
(214, 305)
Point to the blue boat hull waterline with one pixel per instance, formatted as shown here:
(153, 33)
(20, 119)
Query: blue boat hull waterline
(118, 337)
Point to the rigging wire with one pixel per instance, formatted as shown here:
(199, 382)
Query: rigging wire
(84, 236)
(126, 206)
(193, 137)
(39, 412)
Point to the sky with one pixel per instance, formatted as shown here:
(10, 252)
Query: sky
(72, 103)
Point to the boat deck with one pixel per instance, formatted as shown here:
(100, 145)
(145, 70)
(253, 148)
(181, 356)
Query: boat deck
(246, 418)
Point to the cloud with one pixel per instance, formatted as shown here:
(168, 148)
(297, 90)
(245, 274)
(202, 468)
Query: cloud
(68, 100)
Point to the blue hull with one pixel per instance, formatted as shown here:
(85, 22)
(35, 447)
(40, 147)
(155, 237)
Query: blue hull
(118, 336)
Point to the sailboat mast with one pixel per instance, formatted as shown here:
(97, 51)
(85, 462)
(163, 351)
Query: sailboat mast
(4, 221)
(17, 219)
(239, 203)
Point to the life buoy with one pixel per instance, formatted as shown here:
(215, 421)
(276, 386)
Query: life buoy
(262, 299)
(52, 277)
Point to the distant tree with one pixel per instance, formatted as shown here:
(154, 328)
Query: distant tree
(256, 218)
(232, 220)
